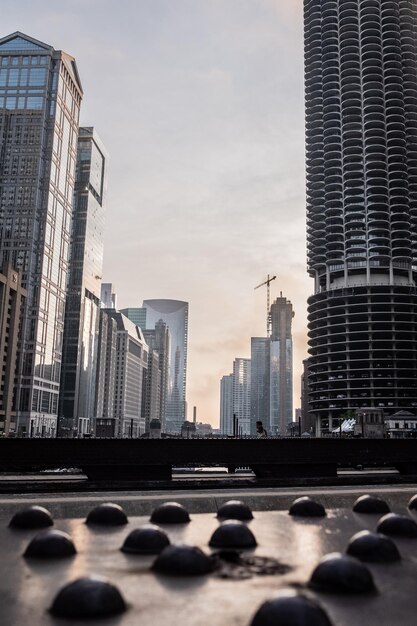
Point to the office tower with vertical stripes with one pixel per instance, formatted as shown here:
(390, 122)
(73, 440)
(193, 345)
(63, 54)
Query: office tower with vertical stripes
(40, 98)
(361, 158)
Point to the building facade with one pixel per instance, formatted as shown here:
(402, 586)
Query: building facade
(361, 153)
(108, 296)
(260, 383)
(137, 315)
(226, 405)
(12, 297)
(131, 362)
(82, 312)
(281, 367)
(40, 97)
(242, 395)
(159, 340)
(105, 423)
(175, 314)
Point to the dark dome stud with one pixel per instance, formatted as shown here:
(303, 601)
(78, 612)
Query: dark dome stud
(50, 544)
(32, 517)
(170, 513)
(306, 507)
(145, 540)
(107, 514)
(89, 597)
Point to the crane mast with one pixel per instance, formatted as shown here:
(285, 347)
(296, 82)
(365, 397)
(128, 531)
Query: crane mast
(267, 282)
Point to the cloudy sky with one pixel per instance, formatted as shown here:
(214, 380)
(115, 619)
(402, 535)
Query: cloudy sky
(200, 105)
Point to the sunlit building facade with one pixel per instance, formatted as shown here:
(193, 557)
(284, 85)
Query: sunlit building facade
(82, 312)
(361, 153)
(40, 97)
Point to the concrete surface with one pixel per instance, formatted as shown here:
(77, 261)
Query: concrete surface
(201, 501)
(27, 588)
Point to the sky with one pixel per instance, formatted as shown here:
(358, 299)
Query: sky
(200, 106)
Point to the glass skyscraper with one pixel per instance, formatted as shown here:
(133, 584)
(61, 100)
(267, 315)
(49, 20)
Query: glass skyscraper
(40, 97)
(361, 153)
(175, 314)
(81, 331)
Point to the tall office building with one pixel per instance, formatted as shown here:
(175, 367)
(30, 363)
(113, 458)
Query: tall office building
(175, 314)
(137, 315)
(361, 152)
(226, 405)
(12, 296)
(281, 404)
(40, 97)
(158, 340)
(241, 395)
(108, 296)
(260, 383)
(271, 372)
(106, 424)
(82, 312)
(131, 363)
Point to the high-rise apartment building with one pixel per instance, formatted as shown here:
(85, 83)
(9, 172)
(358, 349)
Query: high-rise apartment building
(226, 405)
(40, 97)
(241, 395)
(281, 380)
(361, 152)
(82, 312)
(175, 314)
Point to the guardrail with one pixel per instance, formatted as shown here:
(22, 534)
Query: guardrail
(153, 459)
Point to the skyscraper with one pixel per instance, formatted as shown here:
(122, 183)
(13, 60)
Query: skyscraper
(158, 340)
(241, 395)
(175, 314)
(82, 311)
(226, 405)
(131, 363)
(281, 409)
(108, 296)
(260, 395)
(40, 97)
(361, 152)
(12, 297)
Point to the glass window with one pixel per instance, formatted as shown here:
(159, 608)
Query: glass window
(5, 61)
(42, 60)
(3, 74)
(10, 103)
(25, 60)
(34, 60)
(37, 77)
(1, 102)
(18, 43)
(21, 103)
(13, 77)
(35, 103)
(24, 76)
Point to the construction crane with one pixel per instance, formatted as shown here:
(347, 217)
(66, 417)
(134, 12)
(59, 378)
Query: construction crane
(267, 282)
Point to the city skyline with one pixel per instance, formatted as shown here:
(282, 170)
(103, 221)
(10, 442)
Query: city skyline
(211, 129)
